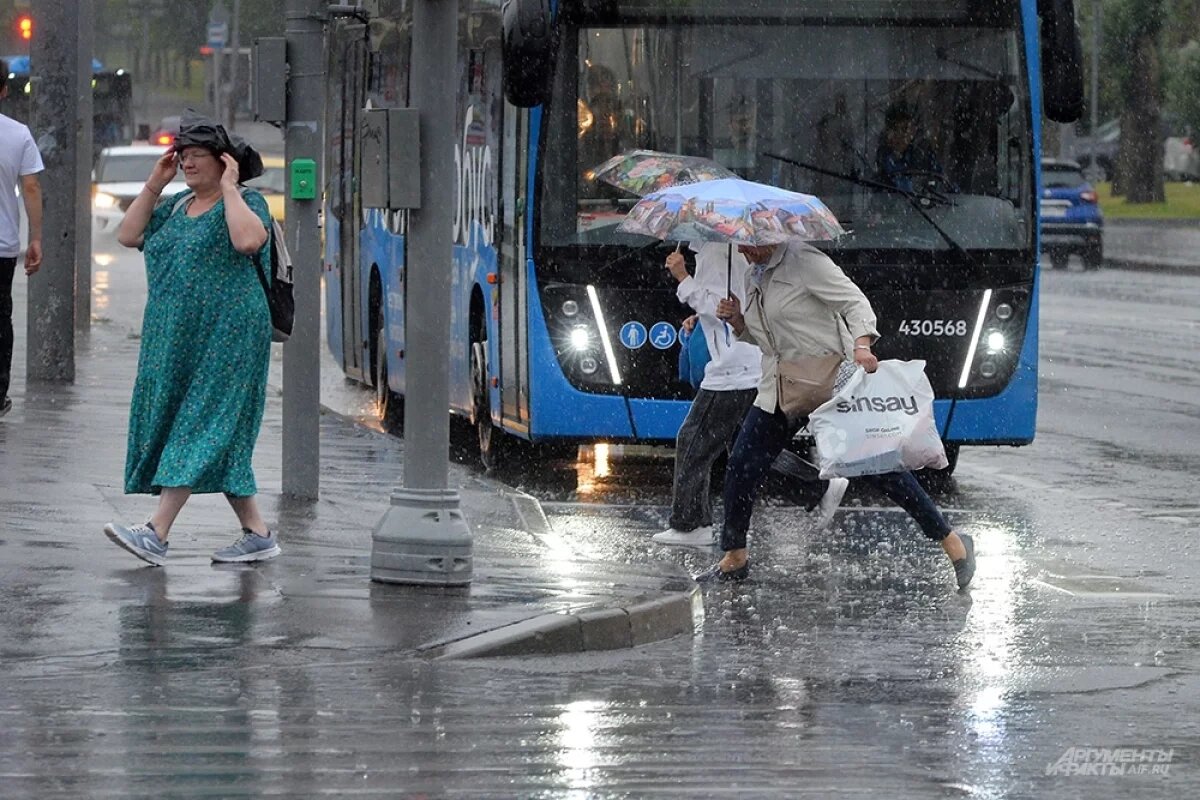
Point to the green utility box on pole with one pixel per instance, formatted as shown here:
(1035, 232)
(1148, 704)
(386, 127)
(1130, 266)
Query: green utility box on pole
(304, 179)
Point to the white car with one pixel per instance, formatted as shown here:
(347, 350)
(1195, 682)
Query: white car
(120, 174)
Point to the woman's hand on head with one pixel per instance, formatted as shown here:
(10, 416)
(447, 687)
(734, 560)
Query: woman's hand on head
(229, 178)
(164, 170)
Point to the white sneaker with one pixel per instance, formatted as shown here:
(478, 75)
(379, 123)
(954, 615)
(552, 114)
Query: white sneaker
(830, 502)
(700, 537)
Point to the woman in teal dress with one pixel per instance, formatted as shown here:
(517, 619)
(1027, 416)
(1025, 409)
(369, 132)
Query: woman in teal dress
(206, 341)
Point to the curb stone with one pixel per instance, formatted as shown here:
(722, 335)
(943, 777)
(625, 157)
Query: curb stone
(1136, 264)
(589, 630)
(679, 610)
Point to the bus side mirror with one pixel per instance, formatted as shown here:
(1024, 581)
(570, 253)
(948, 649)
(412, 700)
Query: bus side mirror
(530, 43)
(1062, 61)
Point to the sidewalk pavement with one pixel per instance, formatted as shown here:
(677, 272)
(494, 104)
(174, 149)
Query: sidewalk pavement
(65, 586)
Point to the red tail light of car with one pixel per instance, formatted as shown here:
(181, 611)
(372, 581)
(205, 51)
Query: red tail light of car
(164, 139)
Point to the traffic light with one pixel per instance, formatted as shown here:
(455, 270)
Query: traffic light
(25, 27)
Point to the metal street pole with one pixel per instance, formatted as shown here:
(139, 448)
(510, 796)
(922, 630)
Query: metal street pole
(61, 71)
(217, 82)
(305, 33)
(85, 14)
(235, 46)
(1096, 20)
(218, 21)
(423, 537)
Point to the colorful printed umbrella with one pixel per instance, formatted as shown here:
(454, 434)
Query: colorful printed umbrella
(731, 210)
(645, 171)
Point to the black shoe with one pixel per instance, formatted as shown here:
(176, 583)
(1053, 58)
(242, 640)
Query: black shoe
(964, 568)
(715, 574)
(5, 406)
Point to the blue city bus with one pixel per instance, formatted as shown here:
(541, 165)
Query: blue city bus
(564, 330)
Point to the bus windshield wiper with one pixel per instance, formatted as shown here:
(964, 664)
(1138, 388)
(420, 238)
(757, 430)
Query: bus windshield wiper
(917, 201)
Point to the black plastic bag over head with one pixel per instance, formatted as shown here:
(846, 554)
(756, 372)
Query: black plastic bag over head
(197, 130)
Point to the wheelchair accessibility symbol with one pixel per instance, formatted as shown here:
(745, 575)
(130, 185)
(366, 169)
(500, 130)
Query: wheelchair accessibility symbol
(662, 335)
(633, 335)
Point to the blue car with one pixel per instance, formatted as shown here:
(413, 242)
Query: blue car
(1070, 217)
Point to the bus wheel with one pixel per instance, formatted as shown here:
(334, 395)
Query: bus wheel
(481, 411)
(497, 449)
(391, 407)
(940, 481)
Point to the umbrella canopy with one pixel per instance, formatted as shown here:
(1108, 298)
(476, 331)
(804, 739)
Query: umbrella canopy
(645, 171)
(732, 210)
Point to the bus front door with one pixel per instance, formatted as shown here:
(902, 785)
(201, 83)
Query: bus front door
(346, 93)
(513, 295)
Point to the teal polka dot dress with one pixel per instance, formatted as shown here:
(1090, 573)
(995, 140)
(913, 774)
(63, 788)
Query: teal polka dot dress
(206, 343)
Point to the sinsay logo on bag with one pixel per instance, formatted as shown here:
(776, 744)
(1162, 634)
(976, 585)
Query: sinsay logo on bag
(878, 404)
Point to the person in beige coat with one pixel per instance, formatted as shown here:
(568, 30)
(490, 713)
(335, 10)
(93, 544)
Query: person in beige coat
(800, 303)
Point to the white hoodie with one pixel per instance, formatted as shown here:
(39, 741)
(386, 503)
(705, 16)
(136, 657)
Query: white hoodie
(734, 364)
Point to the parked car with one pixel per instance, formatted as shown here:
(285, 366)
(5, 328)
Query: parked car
(164, 135)
(1181, 157)
(122, 171)
(271, 184)
(119, 175)
(1071, 221)
(1181, 150)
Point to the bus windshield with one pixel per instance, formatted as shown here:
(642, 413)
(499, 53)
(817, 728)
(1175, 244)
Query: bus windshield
(932, 107)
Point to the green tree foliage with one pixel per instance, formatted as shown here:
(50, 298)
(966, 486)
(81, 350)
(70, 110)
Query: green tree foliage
(151, 33)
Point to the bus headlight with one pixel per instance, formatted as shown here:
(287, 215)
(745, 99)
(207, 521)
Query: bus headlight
(580, 339)
(104, 200)
(995, 343)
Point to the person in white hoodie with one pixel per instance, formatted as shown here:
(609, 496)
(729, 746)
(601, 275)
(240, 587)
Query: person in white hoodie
(727, 392)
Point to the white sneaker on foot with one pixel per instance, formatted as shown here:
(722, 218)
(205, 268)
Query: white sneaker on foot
(700, 537)
(830, 502)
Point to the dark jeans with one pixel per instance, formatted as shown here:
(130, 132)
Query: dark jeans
(712, 424)
(7, 267)
(762, 438)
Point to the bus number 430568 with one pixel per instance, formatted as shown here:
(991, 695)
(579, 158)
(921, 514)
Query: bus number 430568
(933, 327)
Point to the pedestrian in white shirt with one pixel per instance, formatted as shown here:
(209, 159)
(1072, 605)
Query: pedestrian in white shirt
(727, 392)
(20, 164)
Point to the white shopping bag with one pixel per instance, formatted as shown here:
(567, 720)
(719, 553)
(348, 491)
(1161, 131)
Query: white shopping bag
(879, 422)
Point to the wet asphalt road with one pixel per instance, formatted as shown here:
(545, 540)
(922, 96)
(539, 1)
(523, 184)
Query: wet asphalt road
(848, 667)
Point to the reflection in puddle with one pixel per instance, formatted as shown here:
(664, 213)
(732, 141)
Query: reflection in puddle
(577, 745)
(100, 295)
(991, 658)
(592, 467)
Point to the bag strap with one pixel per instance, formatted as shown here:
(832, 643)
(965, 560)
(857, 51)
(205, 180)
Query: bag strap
(759, 291)
(181, 202)
(260, 270)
